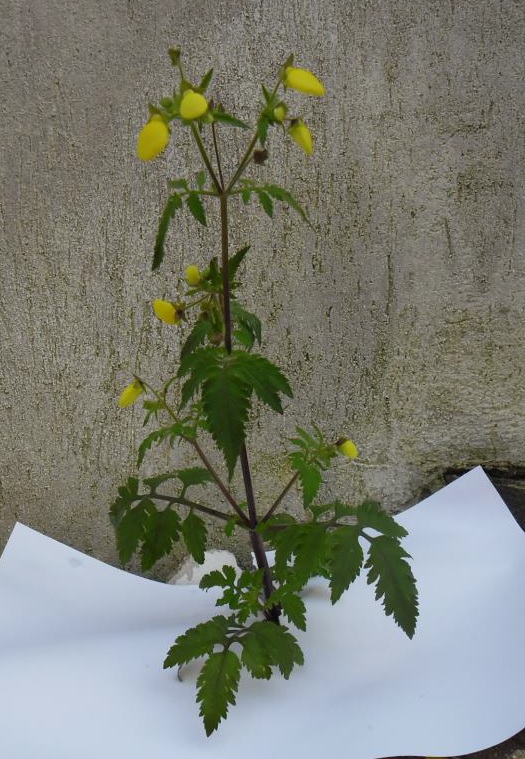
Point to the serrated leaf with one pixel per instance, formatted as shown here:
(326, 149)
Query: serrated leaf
(131, 528)
(202, 329)
(264, 378)
(310, 476)
(198, 641)
(345, 559)
(395, 583)
(292, 606)
(178, 184)
(278, 646)
(214, 579)
(279, 193)
(246, 195)
(195, 475)
(254, 657)
(161, 531)
(217, 687)
(194, 534)
(266, 203)
(173, 204)
(250, 322)
(127, 495)
(227, 118)
(157, 436)
(174, 54)
(196, 207)
(226, 402)
(236, 260)
(370, 514)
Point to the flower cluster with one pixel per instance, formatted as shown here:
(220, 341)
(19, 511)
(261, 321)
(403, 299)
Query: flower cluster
(190, 105)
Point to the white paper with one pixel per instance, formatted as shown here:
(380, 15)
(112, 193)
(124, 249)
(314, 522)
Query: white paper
(82, 645)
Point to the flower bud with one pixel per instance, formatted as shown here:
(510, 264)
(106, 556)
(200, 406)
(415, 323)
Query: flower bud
(347, 448)
(131, 393)
(300, 133)
(168, 312)
(303, 81)
(152, 138)
(193, 105)
(193, 275)
(279, 112)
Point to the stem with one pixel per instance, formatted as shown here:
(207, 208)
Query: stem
(245, 160)
(191, 505)
(255, 538)
(217, 156)
(205, 158)
(280, 498)
(222, 487)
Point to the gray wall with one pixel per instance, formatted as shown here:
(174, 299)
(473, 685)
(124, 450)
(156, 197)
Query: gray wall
(401, 322)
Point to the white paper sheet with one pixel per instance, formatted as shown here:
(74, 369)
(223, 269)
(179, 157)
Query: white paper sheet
(82, 645)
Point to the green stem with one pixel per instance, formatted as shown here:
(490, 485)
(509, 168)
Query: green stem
(191, 504)
(205, 158)
(280, 497)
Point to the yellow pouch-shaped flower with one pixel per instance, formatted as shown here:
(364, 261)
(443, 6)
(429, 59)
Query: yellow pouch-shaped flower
(193, 105)
(167, 311)
(303, 81)
(348, 448)
(300, 133)
(152, 138)
(193, 275)
(130, 394)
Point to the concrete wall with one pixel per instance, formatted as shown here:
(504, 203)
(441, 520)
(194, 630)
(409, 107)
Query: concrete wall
(401, 322)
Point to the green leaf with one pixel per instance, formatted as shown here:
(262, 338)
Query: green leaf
(263, 377)
(178, 184)
(292, 606)
(217, 687)
(250, 322)
(200, 179)
(226, 402)
(300, 553)
(173, 204)
(227, 118)
(345, 559)
(236, 260)
(246, 195)
(277, 645)
(279, 193)
(266, 203)
(205, 81)
(370, 514)
(216, 579)
(161, 531)
(198, 641)
(195, 475)
(309, 475)
(157, 436)
(202, 329)
(196, 207)
(255, 658)
(127, 495)
(131, 529)
(386, 564)
(263, 125)
(194, 534)
(174, 54)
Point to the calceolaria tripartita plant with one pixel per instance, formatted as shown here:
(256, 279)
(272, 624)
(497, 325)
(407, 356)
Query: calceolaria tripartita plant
(220, 373)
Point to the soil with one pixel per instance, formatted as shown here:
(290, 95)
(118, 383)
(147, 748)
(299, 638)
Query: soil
(511, 487)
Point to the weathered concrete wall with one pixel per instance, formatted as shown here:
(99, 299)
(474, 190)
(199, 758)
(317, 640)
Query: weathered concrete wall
(401, 321)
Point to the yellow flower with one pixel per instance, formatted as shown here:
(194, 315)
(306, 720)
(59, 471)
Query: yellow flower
(193, 105)
(153, 138)
(348, 448)
(167, 311)
(193, 275)
(303, 81)
(131, 393)
(300, 133)
(279, 112)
